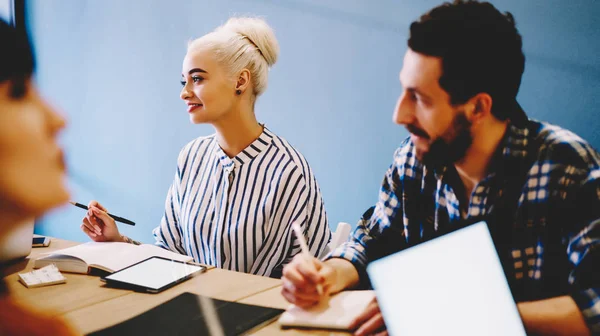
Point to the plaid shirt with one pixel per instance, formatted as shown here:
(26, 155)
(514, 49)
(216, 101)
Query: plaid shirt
(555, 235)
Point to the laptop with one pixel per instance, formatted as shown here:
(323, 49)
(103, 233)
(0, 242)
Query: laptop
(17, 243)
(451, 285)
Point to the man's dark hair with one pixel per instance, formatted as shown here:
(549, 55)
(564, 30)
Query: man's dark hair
(16, 58)
(481, 52)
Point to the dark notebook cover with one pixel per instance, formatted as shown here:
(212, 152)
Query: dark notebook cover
(182, 315)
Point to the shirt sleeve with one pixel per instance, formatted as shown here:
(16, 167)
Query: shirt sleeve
(584, 253)
(316, 231)
(382, 234)
(310, 214)
(168, 234)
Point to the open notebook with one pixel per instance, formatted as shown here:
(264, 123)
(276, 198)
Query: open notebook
(336, 313)
(109, 257)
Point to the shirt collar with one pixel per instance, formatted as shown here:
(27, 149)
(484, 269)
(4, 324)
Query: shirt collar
(247, 154)
(514, 150)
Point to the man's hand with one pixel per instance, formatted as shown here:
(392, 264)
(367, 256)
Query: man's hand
(555, 316)
(301, 278)
(370, 322)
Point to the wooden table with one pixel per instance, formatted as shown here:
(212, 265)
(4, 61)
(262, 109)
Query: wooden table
(89, 305)
(80, 291)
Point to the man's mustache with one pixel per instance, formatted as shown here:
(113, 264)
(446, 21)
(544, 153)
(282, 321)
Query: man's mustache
(417, 131)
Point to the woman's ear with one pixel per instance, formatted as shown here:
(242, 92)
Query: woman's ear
(243, 81)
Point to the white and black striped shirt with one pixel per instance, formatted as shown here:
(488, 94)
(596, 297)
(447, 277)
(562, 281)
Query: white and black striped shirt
(236, 213)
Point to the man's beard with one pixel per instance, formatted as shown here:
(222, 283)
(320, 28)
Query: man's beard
(451, 146)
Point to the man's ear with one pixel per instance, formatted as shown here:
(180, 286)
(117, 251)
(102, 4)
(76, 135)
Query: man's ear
(243, 81)
(478, 107)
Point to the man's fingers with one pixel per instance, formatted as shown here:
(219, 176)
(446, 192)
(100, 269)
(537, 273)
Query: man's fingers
(310, 294)
(291, 273)
(297, 301)
(329, 275)
(373, 325)
(372, 309)
(307, 270)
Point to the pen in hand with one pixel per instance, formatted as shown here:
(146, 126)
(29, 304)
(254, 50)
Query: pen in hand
(116, 218)
(305, 251)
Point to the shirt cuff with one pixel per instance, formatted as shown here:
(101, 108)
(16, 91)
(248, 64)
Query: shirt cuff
(588, 302)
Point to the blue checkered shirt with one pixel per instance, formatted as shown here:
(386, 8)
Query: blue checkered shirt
(555, 236)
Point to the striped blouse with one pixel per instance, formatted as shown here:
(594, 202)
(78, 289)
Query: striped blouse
(236, 213)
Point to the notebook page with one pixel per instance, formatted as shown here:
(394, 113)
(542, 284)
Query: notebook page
(153, 250)
(109, 255)
(337, 313)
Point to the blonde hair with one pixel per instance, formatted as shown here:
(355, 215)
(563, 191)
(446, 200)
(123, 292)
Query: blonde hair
(242, 43)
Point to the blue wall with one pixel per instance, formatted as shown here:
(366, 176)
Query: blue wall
(113, 68)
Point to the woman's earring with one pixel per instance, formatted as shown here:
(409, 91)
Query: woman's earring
(238, 92)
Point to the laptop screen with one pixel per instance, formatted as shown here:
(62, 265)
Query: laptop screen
(451, 285)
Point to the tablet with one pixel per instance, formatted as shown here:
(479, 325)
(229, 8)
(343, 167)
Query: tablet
(153, 275)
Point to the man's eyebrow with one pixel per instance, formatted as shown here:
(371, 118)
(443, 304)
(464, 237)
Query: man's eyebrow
(417, 91)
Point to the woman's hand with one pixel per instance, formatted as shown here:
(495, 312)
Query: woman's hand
(99, 226)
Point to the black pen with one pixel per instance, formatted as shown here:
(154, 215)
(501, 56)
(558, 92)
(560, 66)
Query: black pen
(117, 218)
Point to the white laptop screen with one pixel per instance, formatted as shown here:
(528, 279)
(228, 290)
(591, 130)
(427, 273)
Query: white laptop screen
(451, 285)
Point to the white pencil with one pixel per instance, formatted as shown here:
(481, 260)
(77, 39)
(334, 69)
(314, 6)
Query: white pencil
(305, 251)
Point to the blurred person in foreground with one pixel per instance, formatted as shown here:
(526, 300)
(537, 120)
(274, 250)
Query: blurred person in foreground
(32, 169)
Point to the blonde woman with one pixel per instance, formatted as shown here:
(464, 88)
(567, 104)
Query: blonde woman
(236, 192)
